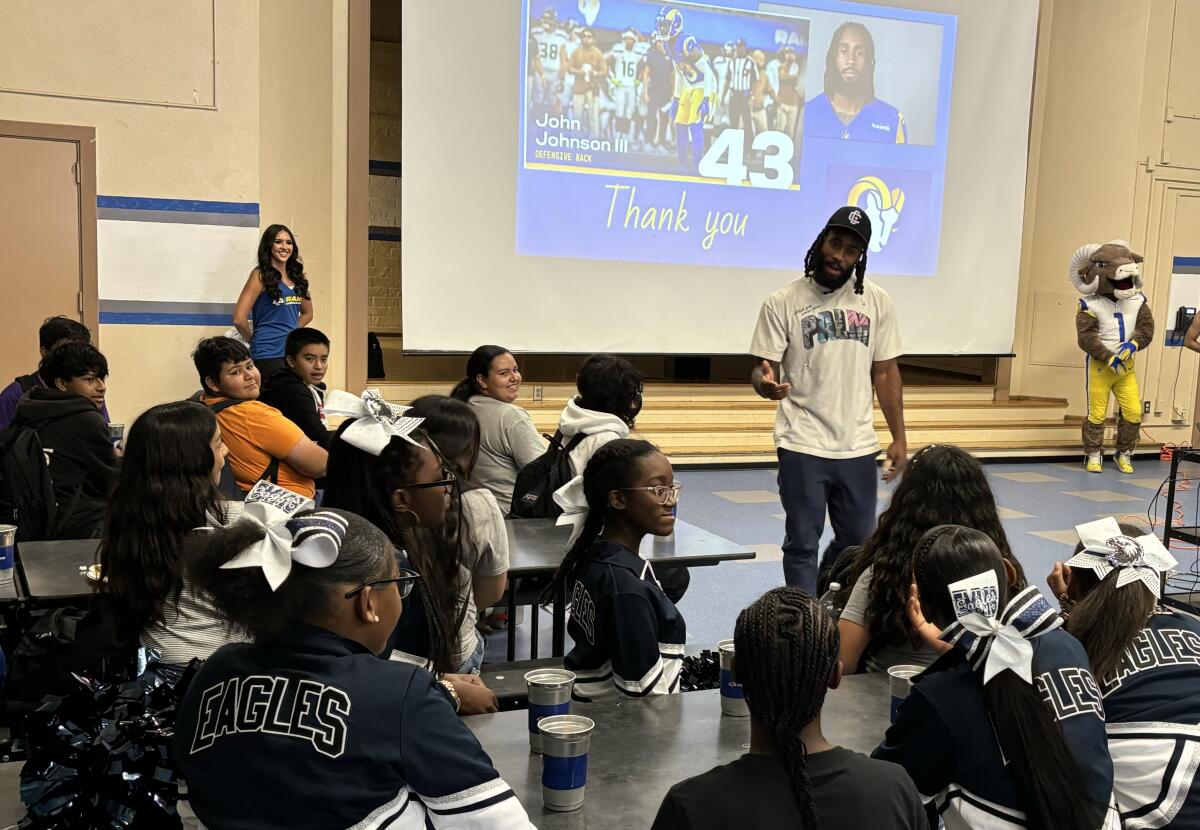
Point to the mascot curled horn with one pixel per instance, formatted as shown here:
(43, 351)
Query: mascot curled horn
(1113, 322)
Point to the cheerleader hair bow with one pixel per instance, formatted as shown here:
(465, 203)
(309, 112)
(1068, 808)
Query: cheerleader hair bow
(570, 497)
(996, 639)
(376, 423)
(1105, 548)
(313, 540)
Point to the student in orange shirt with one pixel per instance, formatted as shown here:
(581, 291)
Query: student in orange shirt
(262, 443)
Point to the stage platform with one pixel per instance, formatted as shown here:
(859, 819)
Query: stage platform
(728, 425)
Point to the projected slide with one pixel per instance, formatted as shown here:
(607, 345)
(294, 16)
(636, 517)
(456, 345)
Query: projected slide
(710, 135)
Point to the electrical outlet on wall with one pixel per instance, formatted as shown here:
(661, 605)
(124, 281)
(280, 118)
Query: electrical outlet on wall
(1145, 407)
(1179, 414)
(537, 393)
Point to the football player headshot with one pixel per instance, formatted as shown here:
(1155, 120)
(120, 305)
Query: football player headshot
(848, 108)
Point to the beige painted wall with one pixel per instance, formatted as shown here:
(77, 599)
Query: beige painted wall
(1106, 72)
(254, 111)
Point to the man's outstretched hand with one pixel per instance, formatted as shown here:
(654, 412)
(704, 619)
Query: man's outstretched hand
(767, 386)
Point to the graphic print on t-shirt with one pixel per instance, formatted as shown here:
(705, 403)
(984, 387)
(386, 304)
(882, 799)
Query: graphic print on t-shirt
(835, 324)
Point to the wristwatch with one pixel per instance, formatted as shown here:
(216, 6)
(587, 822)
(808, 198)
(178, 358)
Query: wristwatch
(454, 698)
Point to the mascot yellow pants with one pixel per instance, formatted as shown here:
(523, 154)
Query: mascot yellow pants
(1101, 381)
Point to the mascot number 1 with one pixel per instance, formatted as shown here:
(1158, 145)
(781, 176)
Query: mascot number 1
(1112, 324)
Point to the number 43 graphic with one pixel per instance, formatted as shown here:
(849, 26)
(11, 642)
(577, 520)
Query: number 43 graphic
(731, 143)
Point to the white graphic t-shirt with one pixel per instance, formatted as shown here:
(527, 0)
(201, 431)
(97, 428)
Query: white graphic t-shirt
(825, 345)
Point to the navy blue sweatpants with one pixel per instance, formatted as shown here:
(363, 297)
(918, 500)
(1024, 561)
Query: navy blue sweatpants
(808, 485)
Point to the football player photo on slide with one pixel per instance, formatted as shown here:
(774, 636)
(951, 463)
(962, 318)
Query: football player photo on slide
(680, 90)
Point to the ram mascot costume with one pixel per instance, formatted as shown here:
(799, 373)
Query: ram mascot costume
(1113, 323)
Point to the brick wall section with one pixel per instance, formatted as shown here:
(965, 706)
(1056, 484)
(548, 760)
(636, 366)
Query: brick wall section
(383, 258)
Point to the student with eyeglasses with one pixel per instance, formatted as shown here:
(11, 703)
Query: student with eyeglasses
(306, 726)
(397, 478)
(628, 635)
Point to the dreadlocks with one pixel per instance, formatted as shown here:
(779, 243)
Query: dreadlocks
(814, 253)
(611, 468)
(786, 651)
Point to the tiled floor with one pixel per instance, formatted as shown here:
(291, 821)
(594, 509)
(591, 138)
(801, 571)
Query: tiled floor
(1039, 504)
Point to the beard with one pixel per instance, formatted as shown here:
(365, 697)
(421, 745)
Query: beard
(859, 88)
(823, 279)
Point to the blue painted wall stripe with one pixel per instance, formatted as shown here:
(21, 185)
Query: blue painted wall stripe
(158, 318)
(189, 205)
(383, 168)
(1187, 261)
(383, 234)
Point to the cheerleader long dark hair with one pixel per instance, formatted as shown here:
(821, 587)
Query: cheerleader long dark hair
(1030, 738)
(787, 653)
(270, 275)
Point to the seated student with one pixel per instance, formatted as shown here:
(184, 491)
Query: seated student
(296, 389)
(942, 484)
(54, 332)
(66, 416)
(306, 726)
(165, 490)
(385, 469)
(628, 635)
(787, 657)
(609, 400)
(474, 524)
(1006, 729)
(508, 439)
(1146, 659)
(262, 443)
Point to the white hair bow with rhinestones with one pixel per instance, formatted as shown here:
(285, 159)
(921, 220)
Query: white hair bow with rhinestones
(994, 640)
(570, 497)
(1105, 547)
(377, 421)
(312, 540)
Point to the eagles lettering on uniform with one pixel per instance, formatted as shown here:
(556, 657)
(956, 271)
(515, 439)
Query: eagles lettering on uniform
(943, 736)
(315, 731)
(628, 636)
(1153, 713)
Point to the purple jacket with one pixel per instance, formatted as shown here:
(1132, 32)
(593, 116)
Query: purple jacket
(12, 394)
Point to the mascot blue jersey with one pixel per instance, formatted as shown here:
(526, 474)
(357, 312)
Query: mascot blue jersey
(877, 121)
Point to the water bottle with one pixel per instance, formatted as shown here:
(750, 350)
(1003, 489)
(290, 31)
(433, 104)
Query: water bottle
(8, 540)
(833, 600)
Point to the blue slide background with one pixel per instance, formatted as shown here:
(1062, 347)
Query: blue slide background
(573, 213)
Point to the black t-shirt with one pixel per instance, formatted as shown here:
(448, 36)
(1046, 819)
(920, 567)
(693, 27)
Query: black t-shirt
(850, 792)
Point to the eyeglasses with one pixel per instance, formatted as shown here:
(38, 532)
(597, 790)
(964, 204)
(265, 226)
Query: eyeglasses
(663, 493)
(448, 478)
(404, 583)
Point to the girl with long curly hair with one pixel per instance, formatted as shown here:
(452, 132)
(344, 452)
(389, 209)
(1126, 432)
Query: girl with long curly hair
(941, 485)
(275, 296)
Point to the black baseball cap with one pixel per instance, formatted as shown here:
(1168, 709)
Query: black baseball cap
(852, 219)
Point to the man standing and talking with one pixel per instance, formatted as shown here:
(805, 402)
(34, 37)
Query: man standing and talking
(834, 335)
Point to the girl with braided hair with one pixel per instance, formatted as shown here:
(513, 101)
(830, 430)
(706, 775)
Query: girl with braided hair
(1006, 729)
(786, 660)
(628, 635)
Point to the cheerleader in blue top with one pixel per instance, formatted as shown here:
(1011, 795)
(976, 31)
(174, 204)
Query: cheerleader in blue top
(275, 296)
(1006, 729)
(1146, 659)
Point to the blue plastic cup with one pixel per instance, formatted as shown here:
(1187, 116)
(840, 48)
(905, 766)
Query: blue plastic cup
(549, 692)
(566, 740)
(733, 699)
(8, 542)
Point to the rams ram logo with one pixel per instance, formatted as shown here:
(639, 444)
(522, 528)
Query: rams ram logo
(882, 205)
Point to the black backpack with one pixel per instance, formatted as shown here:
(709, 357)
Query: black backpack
(533, 492)
(228, 485)
(27, 497)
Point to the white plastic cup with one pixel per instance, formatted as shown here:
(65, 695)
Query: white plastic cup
(900, 683)
(733, 699)
(566, 740)
(549, 692)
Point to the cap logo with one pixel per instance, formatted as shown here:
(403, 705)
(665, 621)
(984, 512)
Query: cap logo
(855, 217)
